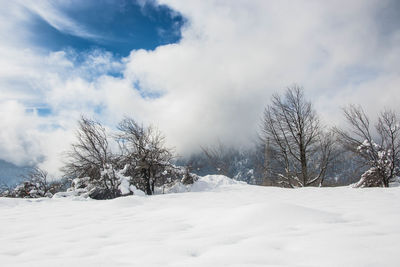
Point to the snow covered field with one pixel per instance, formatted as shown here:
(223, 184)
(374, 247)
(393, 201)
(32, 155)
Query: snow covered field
(229, 224)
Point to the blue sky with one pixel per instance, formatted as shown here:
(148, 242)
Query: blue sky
(118, 26)
(110, 26)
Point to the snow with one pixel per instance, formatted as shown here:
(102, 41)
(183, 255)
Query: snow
(206, 183)
(218, 222)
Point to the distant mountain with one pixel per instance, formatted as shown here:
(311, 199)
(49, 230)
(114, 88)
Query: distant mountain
(10, 174)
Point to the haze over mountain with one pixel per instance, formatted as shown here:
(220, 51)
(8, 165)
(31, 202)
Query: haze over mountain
(10, 174)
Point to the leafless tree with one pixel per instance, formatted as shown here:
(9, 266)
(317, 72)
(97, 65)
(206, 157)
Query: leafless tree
(90, 155)
(300, 146)
(380, 150)
(143, 150)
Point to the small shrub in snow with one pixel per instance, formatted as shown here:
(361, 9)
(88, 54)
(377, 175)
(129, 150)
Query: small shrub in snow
(188, 178)
(36, 185)
(87, 187)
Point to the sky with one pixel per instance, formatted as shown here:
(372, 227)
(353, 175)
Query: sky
(200, 70)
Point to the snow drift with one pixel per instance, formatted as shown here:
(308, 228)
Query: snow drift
(218, 222)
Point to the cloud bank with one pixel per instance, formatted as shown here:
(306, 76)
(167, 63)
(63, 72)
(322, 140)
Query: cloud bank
(211, 85)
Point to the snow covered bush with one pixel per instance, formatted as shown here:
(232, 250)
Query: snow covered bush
(36, 185)
(383, 168)
(87, 187)
(188, 177)
(370, 178)
(379, 152)
(143, 151)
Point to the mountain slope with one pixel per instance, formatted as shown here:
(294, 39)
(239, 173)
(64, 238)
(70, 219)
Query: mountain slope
(10, 174)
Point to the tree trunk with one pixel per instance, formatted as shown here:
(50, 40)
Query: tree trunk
(148, 183)
(385, 182)
(303, 161)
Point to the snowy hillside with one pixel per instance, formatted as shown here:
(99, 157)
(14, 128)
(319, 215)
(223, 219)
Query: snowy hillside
(219, 223)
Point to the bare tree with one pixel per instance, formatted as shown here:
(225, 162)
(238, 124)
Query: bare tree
(144, 152)
(300, 147)
(91, 158)
(142, 162)
(380, 150)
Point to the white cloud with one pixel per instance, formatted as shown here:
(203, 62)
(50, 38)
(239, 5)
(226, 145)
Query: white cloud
(220, 76)
(49, 11)
(215, 82)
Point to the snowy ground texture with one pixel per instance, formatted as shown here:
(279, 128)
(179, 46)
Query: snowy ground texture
(222, 223)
